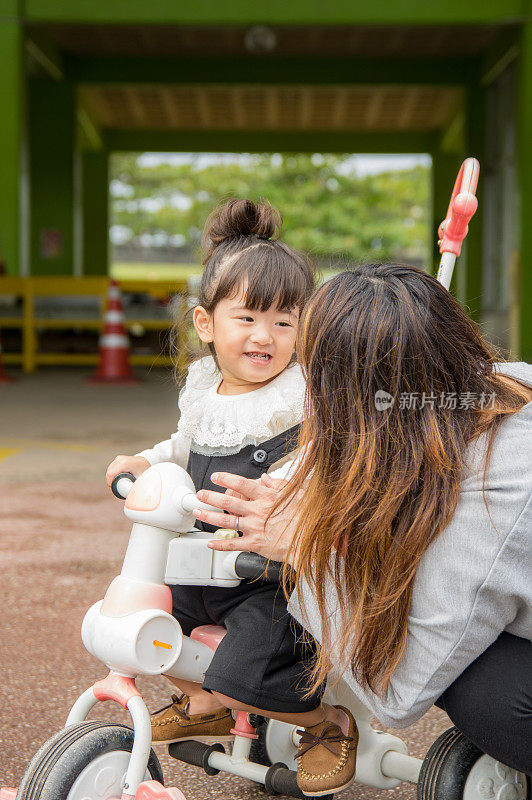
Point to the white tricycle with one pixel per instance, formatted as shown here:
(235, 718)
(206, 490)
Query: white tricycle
(133, 632)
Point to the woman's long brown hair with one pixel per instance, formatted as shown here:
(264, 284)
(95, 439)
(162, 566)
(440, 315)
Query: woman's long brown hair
(380, 478)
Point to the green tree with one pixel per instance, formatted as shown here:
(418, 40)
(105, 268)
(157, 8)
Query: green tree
(328, 210)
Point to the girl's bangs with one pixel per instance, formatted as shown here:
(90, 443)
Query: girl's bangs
(272, 277)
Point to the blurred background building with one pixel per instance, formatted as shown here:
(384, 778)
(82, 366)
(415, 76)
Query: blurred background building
(88, 86)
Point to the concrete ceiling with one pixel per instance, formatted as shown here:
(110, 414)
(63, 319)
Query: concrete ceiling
(445, 41)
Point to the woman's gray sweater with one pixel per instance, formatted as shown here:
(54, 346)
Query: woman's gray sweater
(473, 582)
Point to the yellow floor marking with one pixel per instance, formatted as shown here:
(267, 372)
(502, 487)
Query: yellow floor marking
(48, 445)
(5, 452)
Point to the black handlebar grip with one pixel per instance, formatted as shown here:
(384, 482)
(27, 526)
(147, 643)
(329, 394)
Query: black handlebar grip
(115, 483)
(251, 565)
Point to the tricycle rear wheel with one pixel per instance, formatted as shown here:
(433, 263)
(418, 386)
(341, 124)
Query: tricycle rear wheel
(455, 769)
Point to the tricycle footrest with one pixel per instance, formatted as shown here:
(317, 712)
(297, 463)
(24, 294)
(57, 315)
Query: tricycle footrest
(196, 753)
(281, 780)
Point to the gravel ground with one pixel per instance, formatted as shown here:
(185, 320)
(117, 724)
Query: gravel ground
(62, 538)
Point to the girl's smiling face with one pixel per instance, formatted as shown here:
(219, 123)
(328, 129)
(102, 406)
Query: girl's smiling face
(252, 347)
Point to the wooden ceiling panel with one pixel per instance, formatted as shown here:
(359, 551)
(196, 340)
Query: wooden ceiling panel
(299, 108)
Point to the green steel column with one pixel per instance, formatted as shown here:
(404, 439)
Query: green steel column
(95, 194)
(475, 146)
(525, 177)
(52, 136)
(11, 132)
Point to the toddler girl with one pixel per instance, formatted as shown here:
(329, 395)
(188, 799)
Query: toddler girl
(240, 413)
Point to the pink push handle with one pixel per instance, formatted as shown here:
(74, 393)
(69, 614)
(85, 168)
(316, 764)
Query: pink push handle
(463, 205)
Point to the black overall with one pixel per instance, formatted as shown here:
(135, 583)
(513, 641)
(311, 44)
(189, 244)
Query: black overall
(263, 659)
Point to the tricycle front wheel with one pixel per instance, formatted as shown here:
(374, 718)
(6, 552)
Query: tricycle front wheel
(86, 760)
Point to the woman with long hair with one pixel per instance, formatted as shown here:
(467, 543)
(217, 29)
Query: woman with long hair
(408, 518)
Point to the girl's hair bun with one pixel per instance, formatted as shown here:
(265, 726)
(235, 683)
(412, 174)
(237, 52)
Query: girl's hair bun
(237, 218)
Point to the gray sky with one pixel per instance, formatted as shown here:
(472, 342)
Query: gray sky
(361, 164)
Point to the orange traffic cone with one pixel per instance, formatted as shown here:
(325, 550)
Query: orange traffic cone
(3, 377)
(113, 365)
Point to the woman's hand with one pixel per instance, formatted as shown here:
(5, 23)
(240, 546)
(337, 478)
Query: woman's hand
(134, 464)
(271, 538)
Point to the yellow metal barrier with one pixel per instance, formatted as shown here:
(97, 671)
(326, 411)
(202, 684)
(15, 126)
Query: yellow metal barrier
(32, 288)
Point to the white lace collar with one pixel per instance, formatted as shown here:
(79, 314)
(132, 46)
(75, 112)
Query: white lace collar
(225, 424)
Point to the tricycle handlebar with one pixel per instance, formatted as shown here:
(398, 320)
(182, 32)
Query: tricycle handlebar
(251, 565)
(122, 484)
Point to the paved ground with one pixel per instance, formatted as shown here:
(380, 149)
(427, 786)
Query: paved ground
(62, 537)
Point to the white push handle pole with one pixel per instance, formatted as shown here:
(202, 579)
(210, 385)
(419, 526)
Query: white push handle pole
(446, 268)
